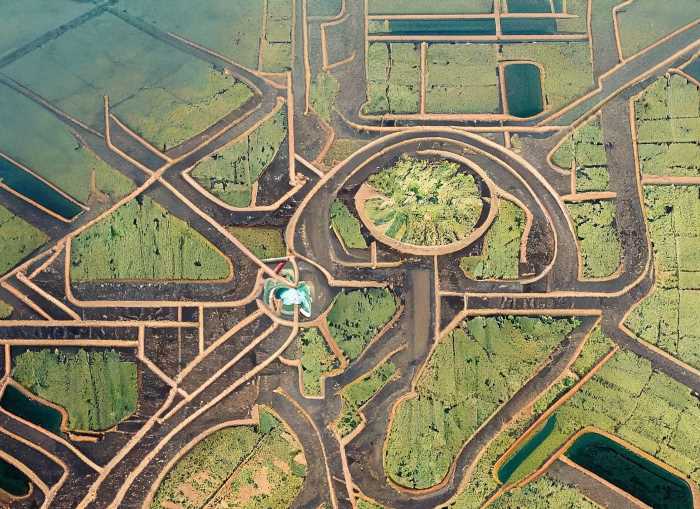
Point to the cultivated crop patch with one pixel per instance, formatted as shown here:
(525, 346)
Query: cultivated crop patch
(598, 240)
(19, 239)
(346, 226)
(265, 242)
(317, 360)
(583, 152)
(393, 78)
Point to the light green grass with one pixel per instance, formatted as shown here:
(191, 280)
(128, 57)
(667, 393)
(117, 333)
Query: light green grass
(19, 239)
(357, 316)
(324, 7)
(324, 91)
(276, 45)
(341, 149)
(317, 359)
(544, 493)
(265, 242)
(430, 7)
(474, 369)
(597, 235)
(97, 389)
(164, 94)
(346, 226)
(230, 173)
(584, 150)
(393, 78)
(42, 142)
(5, 310)
(143, 241)
(500, 256)
(366, 504)
(643, 22)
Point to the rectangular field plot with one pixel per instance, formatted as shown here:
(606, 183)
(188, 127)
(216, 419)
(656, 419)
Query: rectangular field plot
(430, 7)
(276, 43)
(40, 141)
(163, 94)
(393, 78)
(19, 239)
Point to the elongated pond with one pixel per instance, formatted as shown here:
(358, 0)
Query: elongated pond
(12, 480)
(523, 90)
(509, 467)
(438, 27)
(15, 402)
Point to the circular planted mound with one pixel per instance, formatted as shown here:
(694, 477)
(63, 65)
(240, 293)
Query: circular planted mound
(420, 203)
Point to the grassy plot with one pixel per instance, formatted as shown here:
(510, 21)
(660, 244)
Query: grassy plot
(584, 150)
(239, 467)
(317, 359)
(474, 370)
(430, 7)
(324, 91)
(341, 149)
(97, 389)
(500, 255)
(393, 78)
(230, 173)
(360, 392)
(462, 78)
(164, 94)
(643, 22)
(357, 317)
(5, 310)
(346, 226)
(425, 203)
(325, 7)
(579, 8)
(42, 142)
(19, 239)
(667, 317)
(544, 493)
(598, 240)
(265, 242)
(668, 128)
(143, 241)
(276, 43)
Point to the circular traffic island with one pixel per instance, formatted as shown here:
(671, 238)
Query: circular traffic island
(427, 206)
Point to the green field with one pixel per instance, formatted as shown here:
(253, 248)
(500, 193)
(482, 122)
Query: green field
(324, 91)
(60, 158)
(425, 203)
(165, 95)
(393, 78)
(357, 317)
(341, 149)
(360, 392)
(668, 128)
(584, 151)
(598, 239)
(265, 242)
(667, 317)
(5, 310)
(276, 43)
(324, 7)
(317, 359)
(246, 467)
(346, 226)
(366, 504)
(544, 493)
(19, 239)
(500, 255)
(430, 7)
(97, 389)
(143, 241)
(473, 371)
(230, 173)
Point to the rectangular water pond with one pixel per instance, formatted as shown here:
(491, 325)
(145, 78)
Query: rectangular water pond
(528, 26)
(36, 190)
(15, 402)
(529, 6)
(523, 90)
(436, 27)
(641, 478)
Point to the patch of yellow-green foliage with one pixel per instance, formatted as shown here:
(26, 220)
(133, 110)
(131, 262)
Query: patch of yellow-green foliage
(317, 359)
(430, 7)
(363, 503)
(544, 493)
(668, 317)
(643, 22)
(357, 317)
(393, 78)
(598, 239)
(325, 7)
(324, 91)
(584, 151)
(230, 173)
(668, 127)
(19, 239)
(98, 389)
(143, 241)
(276, 43)
(5, 310)
(40, 141)
(162, 93)
(500, 255)
(473, 371)
(341, 149)
(243, 467)
(359, 392)
(425, 203)
(346, 226)
(265, 242)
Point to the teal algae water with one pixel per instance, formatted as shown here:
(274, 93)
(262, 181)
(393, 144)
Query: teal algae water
(523, 90)
(517, 459)
(441, 27)
(15, 402)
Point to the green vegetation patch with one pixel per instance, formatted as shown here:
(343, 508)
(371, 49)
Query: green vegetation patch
(19, 239)
(643, 22)
(317, 359)
(393, 78)
(500, 255)
(346, 226)
(5, 310)
(425, 203)
(276, 43)
(244, 467)
(230, 173)
(668, 128)
(265, 242)
(164, 94)
(357, 317)
(143, 241)
(667, 317)
(598, 240)
(462, 78)
(97, 389)
(324, 91)
(363, 503)
(584, 151)
(430, 7)
(341, 149)
(358, 393)
(544, 493)
(473, 371)
(325, 7)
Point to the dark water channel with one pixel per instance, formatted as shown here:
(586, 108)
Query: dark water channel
(12, 480)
